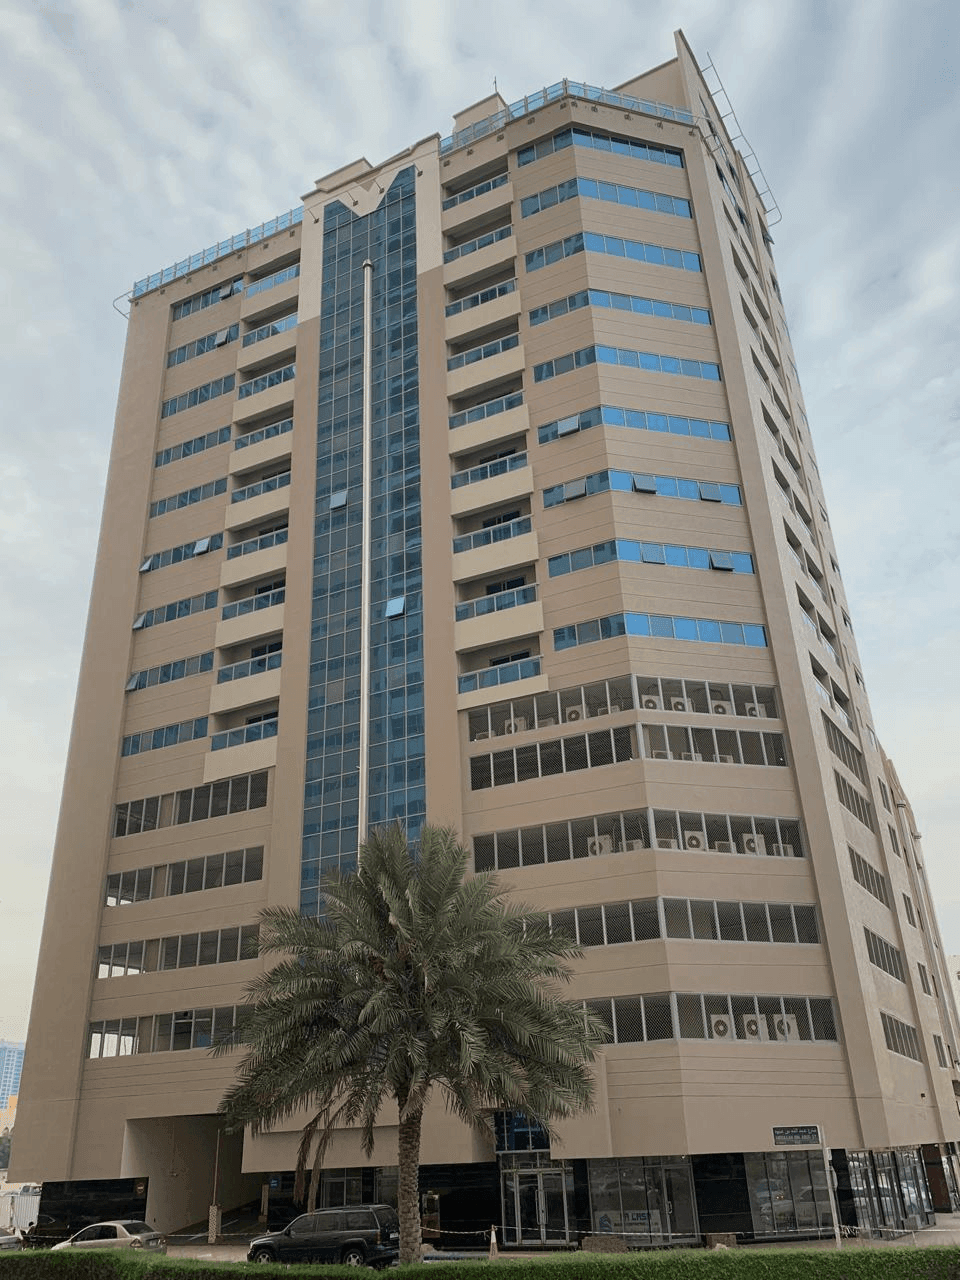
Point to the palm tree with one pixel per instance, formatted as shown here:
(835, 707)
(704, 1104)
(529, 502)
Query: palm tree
(415, 981)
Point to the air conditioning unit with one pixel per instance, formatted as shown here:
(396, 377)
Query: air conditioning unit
(754, 844)
(599, 846)
(725, 846)
(634, 846)
(601, 711)
(785, 1027)
(517, 725)
(722, 708)
(757, 710)
(546, 722)
(752, 1028)
(721, 1028)
(650, 703)
(482, 736)
(690, 755)
(660, 755)
(666, 843)
(572, 714)
(694, 840)
(679, 704)
(781, 850)
(615, 707)
(724, 759)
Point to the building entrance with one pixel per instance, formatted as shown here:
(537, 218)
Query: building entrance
(536, 1205)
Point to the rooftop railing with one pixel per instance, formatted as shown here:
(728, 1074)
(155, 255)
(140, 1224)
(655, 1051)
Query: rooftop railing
(562, 89)
(220, 250)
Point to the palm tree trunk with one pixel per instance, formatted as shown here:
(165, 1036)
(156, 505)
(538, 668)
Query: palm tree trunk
(408, 1192)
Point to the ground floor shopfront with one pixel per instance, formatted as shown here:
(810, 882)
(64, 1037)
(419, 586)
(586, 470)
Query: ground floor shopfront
(655, 1201)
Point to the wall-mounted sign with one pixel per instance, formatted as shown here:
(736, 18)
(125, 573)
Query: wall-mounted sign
(797, 1135)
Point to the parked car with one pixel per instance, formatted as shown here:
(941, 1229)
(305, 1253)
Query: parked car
(122, 1234)
(364, 1235)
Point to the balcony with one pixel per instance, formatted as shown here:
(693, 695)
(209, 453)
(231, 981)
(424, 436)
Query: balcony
(491, 684)
(485, 366)
(264, 555)
(483, 309)
(491, 483)
(250, 618)
(271, 444)
(477, 203)
(259, 732)
(263, 500)
(491, 620)
(485, 424)
(244, 684)
(475, 258)
(271, 295)
(487, 552)
(233, 756)
(265, 394)
(278, 340)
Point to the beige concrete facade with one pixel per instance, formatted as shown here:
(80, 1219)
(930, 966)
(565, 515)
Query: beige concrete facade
(98, 1100)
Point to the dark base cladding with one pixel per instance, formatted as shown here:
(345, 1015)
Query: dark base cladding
(68, 1207)
(723, 1201)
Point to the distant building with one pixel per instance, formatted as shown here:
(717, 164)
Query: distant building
(11, 1064)
(606, 637)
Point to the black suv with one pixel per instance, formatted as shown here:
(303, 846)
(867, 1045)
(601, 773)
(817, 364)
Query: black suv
(363, 1235)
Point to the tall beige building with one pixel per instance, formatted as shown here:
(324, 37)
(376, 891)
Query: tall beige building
(607, 639)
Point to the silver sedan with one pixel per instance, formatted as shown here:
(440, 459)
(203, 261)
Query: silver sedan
(120, 1234)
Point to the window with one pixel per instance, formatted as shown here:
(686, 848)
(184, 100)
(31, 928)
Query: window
(187, 448)
(941, 1052)
(611, 192)
(187, 497)
(636, 250)
(900, 1037)
(868, 877)
(647, 361)
(170, 735)
(593, 138)
(637, 419)
(851, 799)
(219, 946)
(643, 482)
(177, 609)
(395, 608)
(560, 755)
(186, 551)
(196, 804)
(908, 907)
(217, 870)
(209, 298)
(168, 671)
(619, 302)
(924, 979)
(198, 395)
(884, 955)
(201, 346)
(705, 630)
(160, 1033)
(843, 749)
(635, 831)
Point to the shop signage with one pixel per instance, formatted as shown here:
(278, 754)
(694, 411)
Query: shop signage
(797, 1135)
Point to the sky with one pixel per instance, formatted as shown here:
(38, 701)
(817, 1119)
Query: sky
(133, 134)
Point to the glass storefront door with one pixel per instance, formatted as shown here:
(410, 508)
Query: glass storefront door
(535, 1206)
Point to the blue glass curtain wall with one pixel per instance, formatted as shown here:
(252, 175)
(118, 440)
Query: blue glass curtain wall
(387, 237)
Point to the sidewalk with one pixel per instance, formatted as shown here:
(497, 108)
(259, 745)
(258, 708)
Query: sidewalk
(946, 1232)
